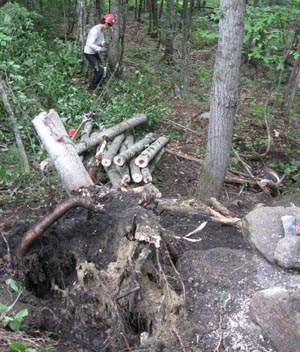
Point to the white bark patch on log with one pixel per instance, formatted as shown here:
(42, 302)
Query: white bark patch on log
(113, 176)
(110, 132)
(147, 177)
(121, 158)
(135, 171)
(149, 153)
(86, 131)
(62, 151)
(112, 150)
(124, 170)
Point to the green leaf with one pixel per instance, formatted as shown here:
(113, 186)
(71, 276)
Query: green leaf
(15, 324)
(3, 308)
(21, 314)
(17, 346)
(13, 285)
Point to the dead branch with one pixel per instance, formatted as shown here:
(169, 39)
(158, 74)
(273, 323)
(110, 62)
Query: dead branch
(97, 159)
(39, 228)
(221, 208)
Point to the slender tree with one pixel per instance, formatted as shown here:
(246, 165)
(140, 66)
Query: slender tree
(169, 28)
(224, 98)
(81, 24)
(16, 130)
(114, 46)
(186, 42)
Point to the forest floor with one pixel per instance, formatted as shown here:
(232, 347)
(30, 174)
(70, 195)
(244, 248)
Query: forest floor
(65, 315)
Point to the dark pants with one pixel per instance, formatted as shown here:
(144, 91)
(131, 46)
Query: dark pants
(94, 60)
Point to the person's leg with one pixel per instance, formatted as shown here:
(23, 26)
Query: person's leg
(94, 60)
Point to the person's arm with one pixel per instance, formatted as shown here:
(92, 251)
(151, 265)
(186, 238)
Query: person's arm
(92, 39)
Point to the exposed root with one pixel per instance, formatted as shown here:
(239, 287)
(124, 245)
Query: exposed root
(39, 228)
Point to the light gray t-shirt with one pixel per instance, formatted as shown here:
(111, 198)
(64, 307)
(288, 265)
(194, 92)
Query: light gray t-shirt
(94, 40)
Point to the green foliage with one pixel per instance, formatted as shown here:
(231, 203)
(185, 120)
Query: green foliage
(270, 32)
(13, 321)
(20, 347)
(204, 34)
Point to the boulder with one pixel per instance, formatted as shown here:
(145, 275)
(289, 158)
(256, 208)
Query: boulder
(277, 311)
(263, 229)
(287, 252)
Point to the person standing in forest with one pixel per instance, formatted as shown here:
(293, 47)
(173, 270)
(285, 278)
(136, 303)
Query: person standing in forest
(96, 43)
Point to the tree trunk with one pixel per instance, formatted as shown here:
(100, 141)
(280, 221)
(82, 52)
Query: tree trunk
(169, 28)
(224, 98)
(114, 47)
(14, 123)
(81, 24)
(154, 19)
(62, 151)
(186, 43)
(289, 94)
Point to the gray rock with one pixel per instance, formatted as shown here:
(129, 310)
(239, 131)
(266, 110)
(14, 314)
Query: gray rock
(263, 229)
(205, 115)
(277, 312)
(287, 252)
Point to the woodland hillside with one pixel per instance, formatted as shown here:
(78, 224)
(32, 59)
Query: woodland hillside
(162, 66)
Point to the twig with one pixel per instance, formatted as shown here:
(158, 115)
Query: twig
(267, 124)
(179, 339)
(7, 246)
(198, 229)
(221, 315)
(220, 207)
(181, 126)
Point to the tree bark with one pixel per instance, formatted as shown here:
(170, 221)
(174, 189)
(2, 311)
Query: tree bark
(14, 123)
(147, 177)
(61, 151)
(169, 28)
(81, 24)
(224, 98)
(121, 158)
(149, 153)
(114, 46)
(113, 176)
(110, 132)
(186, 43)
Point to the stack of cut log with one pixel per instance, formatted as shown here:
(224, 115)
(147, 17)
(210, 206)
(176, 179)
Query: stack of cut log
(124, 159)
(128, 161)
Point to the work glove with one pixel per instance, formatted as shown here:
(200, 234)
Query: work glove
(105, 44)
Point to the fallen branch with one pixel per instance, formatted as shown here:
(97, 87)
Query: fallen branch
(97, 159)
(221, 208)
(39, 228)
